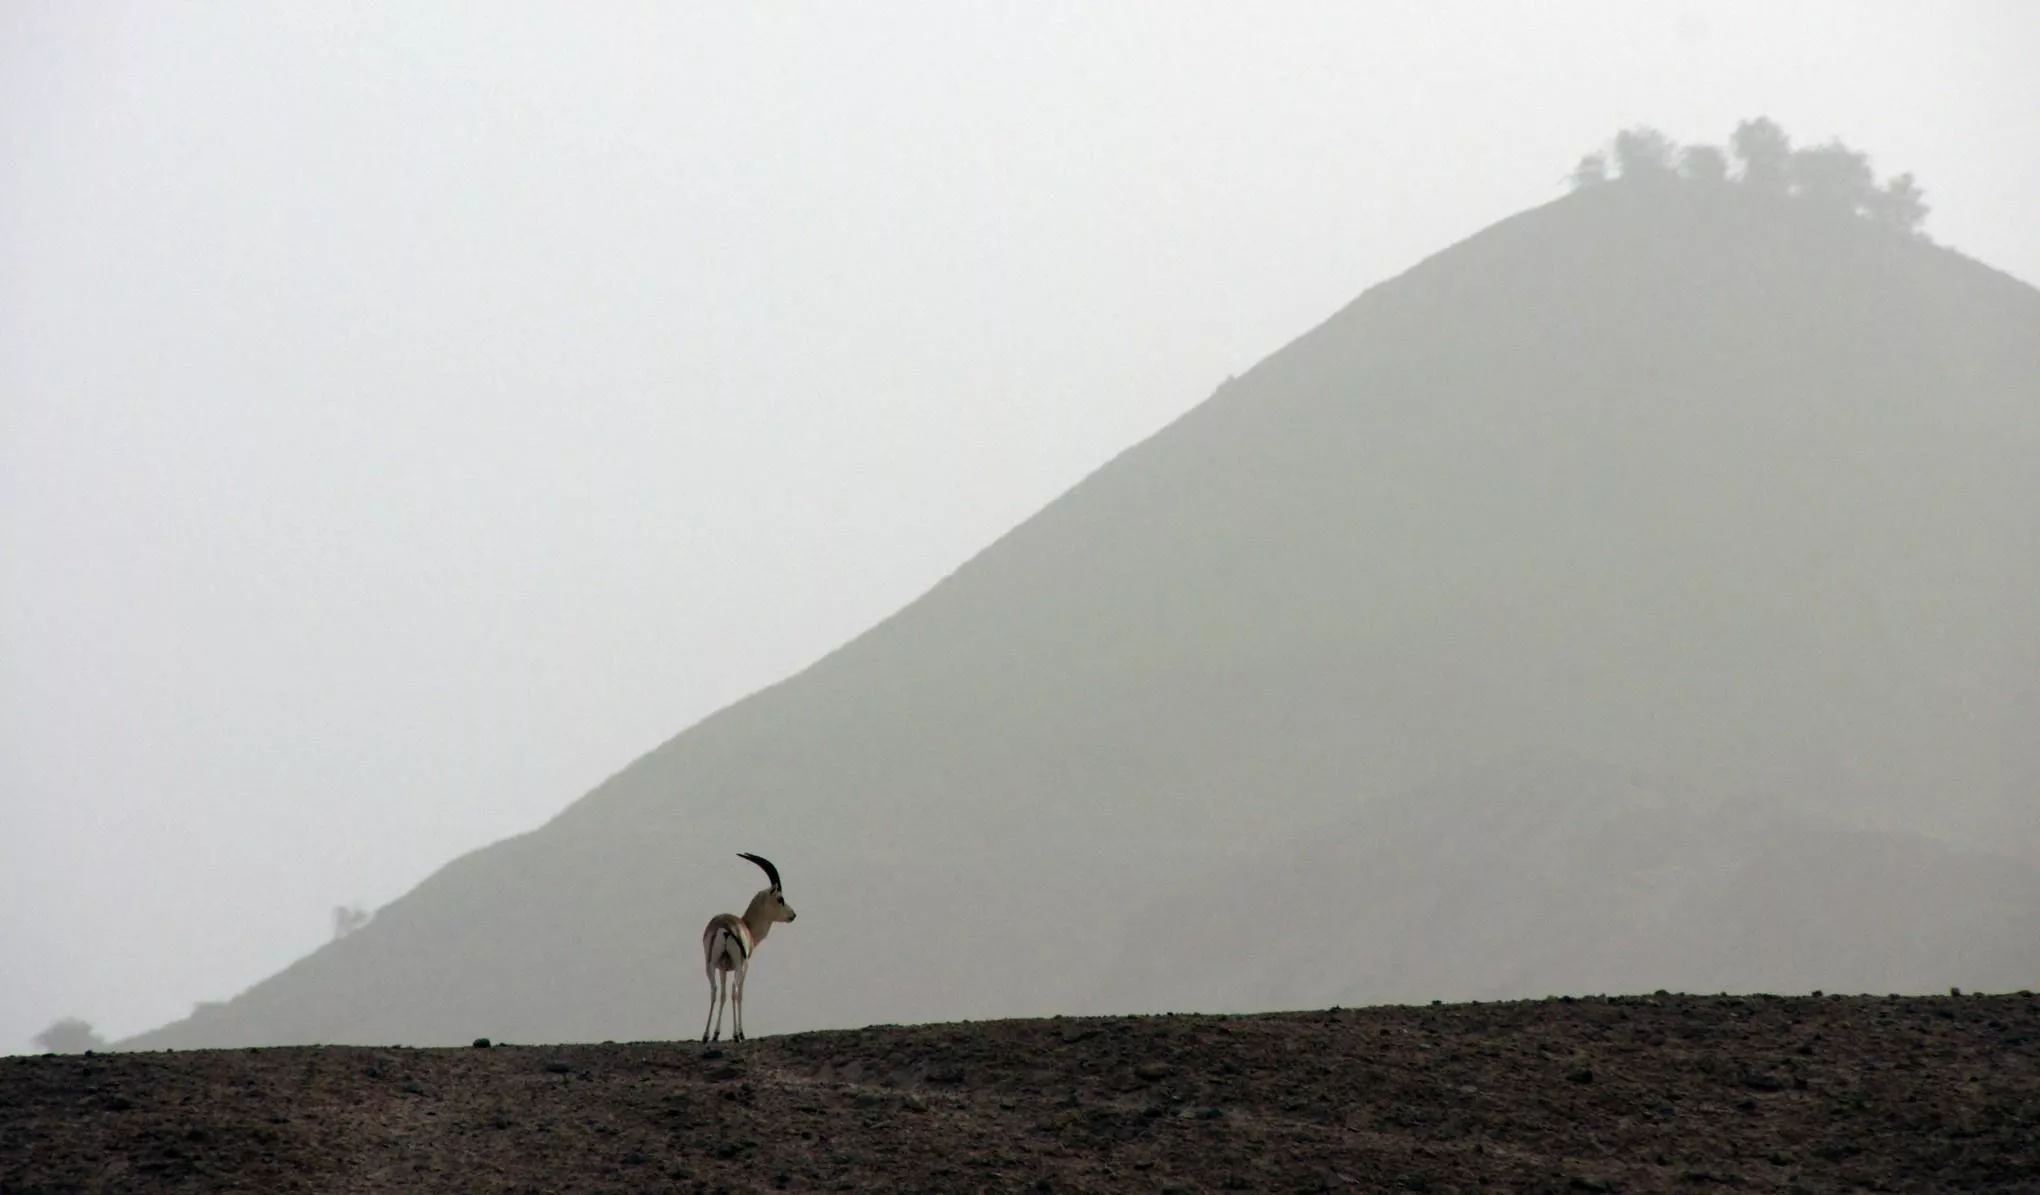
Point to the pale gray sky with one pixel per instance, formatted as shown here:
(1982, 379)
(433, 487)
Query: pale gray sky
(411, 413)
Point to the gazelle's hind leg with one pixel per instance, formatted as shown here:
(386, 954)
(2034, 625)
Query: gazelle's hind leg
(741, 972)
(721, 1001)
(711, 1003)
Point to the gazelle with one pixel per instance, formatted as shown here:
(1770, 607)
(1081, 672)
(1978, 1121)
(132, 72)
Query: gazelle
(727, 943)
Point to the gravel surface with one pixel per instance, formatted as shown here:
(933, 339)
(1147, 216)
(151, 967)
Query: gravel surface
(1652, 1093)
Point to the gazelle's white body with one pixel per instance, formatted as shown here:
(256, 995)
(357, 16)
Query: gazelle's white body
(726, 948)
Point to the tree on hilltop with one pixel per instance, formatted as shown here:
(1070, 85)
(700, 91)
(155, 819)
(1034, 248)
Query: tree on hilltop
(347, 919)
(1833, 176)
(1592, 171)
(1830, 176)
(69, 1036)
(1643, 152)
(1765, 153)
(1899, 205)
(1703, 164)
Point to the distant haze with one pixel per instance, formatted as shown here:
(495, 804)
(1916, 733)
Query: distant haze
(409, 416)
(1639, 593)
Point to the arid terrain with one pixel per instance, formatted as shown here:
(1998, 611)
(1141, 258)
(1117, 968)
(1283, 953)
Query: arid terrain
(1646, 1093)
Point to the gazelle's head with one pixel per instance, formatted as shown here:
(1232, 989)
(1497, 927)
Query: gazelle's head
(772, 901)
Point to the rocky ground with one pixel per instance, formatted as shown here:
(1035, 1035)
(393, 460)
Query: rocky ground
(1658, 1093)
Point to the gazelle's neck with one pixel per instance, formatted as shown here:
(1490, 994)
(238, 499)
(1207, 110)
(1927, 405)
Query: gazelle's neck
(758, 917)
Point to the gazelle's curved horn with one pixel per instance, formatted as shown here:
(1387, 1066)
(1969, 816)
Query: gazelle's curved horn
(771, 872)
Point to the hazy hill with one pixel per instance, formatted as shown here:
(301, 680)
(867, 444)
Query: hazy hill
(1543, 877)
(1668, 481)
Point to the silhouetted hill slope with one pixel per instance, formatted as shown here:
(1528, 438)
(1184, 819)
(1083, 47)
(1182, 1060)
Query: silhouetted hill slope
(1667, 1093)
(1680, 481)
(1547, 877)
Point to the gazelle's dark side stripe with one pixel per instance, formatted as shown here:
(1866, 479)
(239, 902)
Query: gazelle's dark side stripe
(727, 941)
